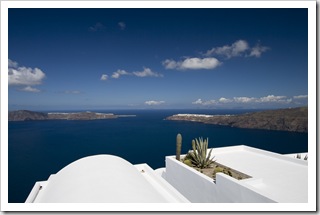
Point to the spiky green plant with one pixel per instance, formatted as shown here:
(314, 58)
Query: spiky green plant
(188, 162)
(178, 146)
(199, 153)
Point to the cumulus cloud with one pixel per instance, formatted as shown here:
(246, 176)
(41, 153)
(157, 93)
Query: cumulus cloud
(30, 89)
(119, 73)
(147, 73)
(258, 50)
(224, 100)
(12, 64)
(23, 75)
(199, 101)
(300, 97)
(97, 27)
(154, 102)
(237, 49)
(192, 63)
(272, 98)
(122, 25)
(170, 64)
(205, 103)
(246, 100)
(104, 77)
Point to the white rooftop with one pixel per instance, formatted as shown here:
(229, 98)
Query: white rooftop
(280, 178)
(104, 178)
(111, 179)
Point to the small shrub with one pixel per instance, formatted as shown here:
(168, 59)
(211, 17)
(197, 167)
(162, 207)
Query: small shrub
(218, 169)
(223, 170)
(187, 162)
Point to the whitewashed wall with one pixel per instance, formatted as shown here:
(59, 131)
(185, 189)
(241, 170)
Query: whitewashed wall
(197, 187)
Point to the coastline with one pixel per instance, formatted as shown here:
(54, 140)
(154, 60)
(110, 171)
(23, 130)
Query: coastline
(292, 119)
(25, 115)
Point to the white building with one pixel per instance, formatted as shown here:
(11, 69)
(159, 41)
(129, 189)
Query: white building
(107, 178)
(104, 179)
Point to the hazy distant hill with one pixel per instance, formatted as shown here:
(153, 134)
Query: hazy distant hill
(24, 115)
(292, 119)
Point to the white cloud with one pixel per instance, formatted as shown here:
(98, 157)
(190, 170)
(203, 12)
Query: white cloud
(258, 50)
(197, 63)
(205, 103)
(247, 100)
(147, 73)
(236, 49)
(122, 25)
(97, 27)
(199, 101)
(12, 64)
(272, 98)
(170, 64)
(300, 97)
(210, 102)
(265, 99)
(118, 73)
(23, 75)
(244, 99)
(104, 77)
(30, 89)
(224, 100)
(154, 102)
(192, 63)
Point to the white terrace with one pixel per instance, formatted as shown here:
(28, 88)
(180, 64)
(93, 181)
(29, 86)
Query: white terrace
(107, 178)
(275, 177)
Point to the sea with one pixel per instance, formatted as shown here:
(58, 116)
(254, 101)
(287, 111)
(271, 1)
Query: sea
(37, 149)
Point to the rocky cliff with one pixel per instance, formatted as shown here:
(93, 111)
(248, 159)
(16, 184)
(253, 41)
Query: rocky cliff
(293, 119)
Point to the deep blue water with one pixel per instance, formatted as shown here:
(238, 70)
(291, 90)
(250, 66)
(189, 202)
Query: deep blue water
(40, 148)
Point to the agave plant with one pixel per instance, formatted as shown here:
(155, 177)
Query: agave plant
(199, 156)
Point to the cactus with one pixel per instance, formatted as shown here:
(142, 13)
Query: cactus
(178, 147)
(193, 144)
(199, 153)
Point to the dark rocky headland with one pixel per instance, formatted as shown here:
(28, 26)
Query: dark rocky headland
(25, 115)
(291, 119)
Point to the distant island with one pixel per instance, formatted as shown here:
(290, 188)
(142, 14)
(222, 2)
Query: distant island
(291, 119)
(25, 115)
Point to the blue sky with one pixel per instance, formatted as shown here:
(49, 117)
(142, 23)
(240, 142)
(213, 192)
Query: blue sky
(61, 59)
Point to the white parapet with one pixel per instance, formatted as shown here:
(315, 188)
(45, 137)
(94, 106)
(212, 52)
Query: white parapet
(275, 178)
